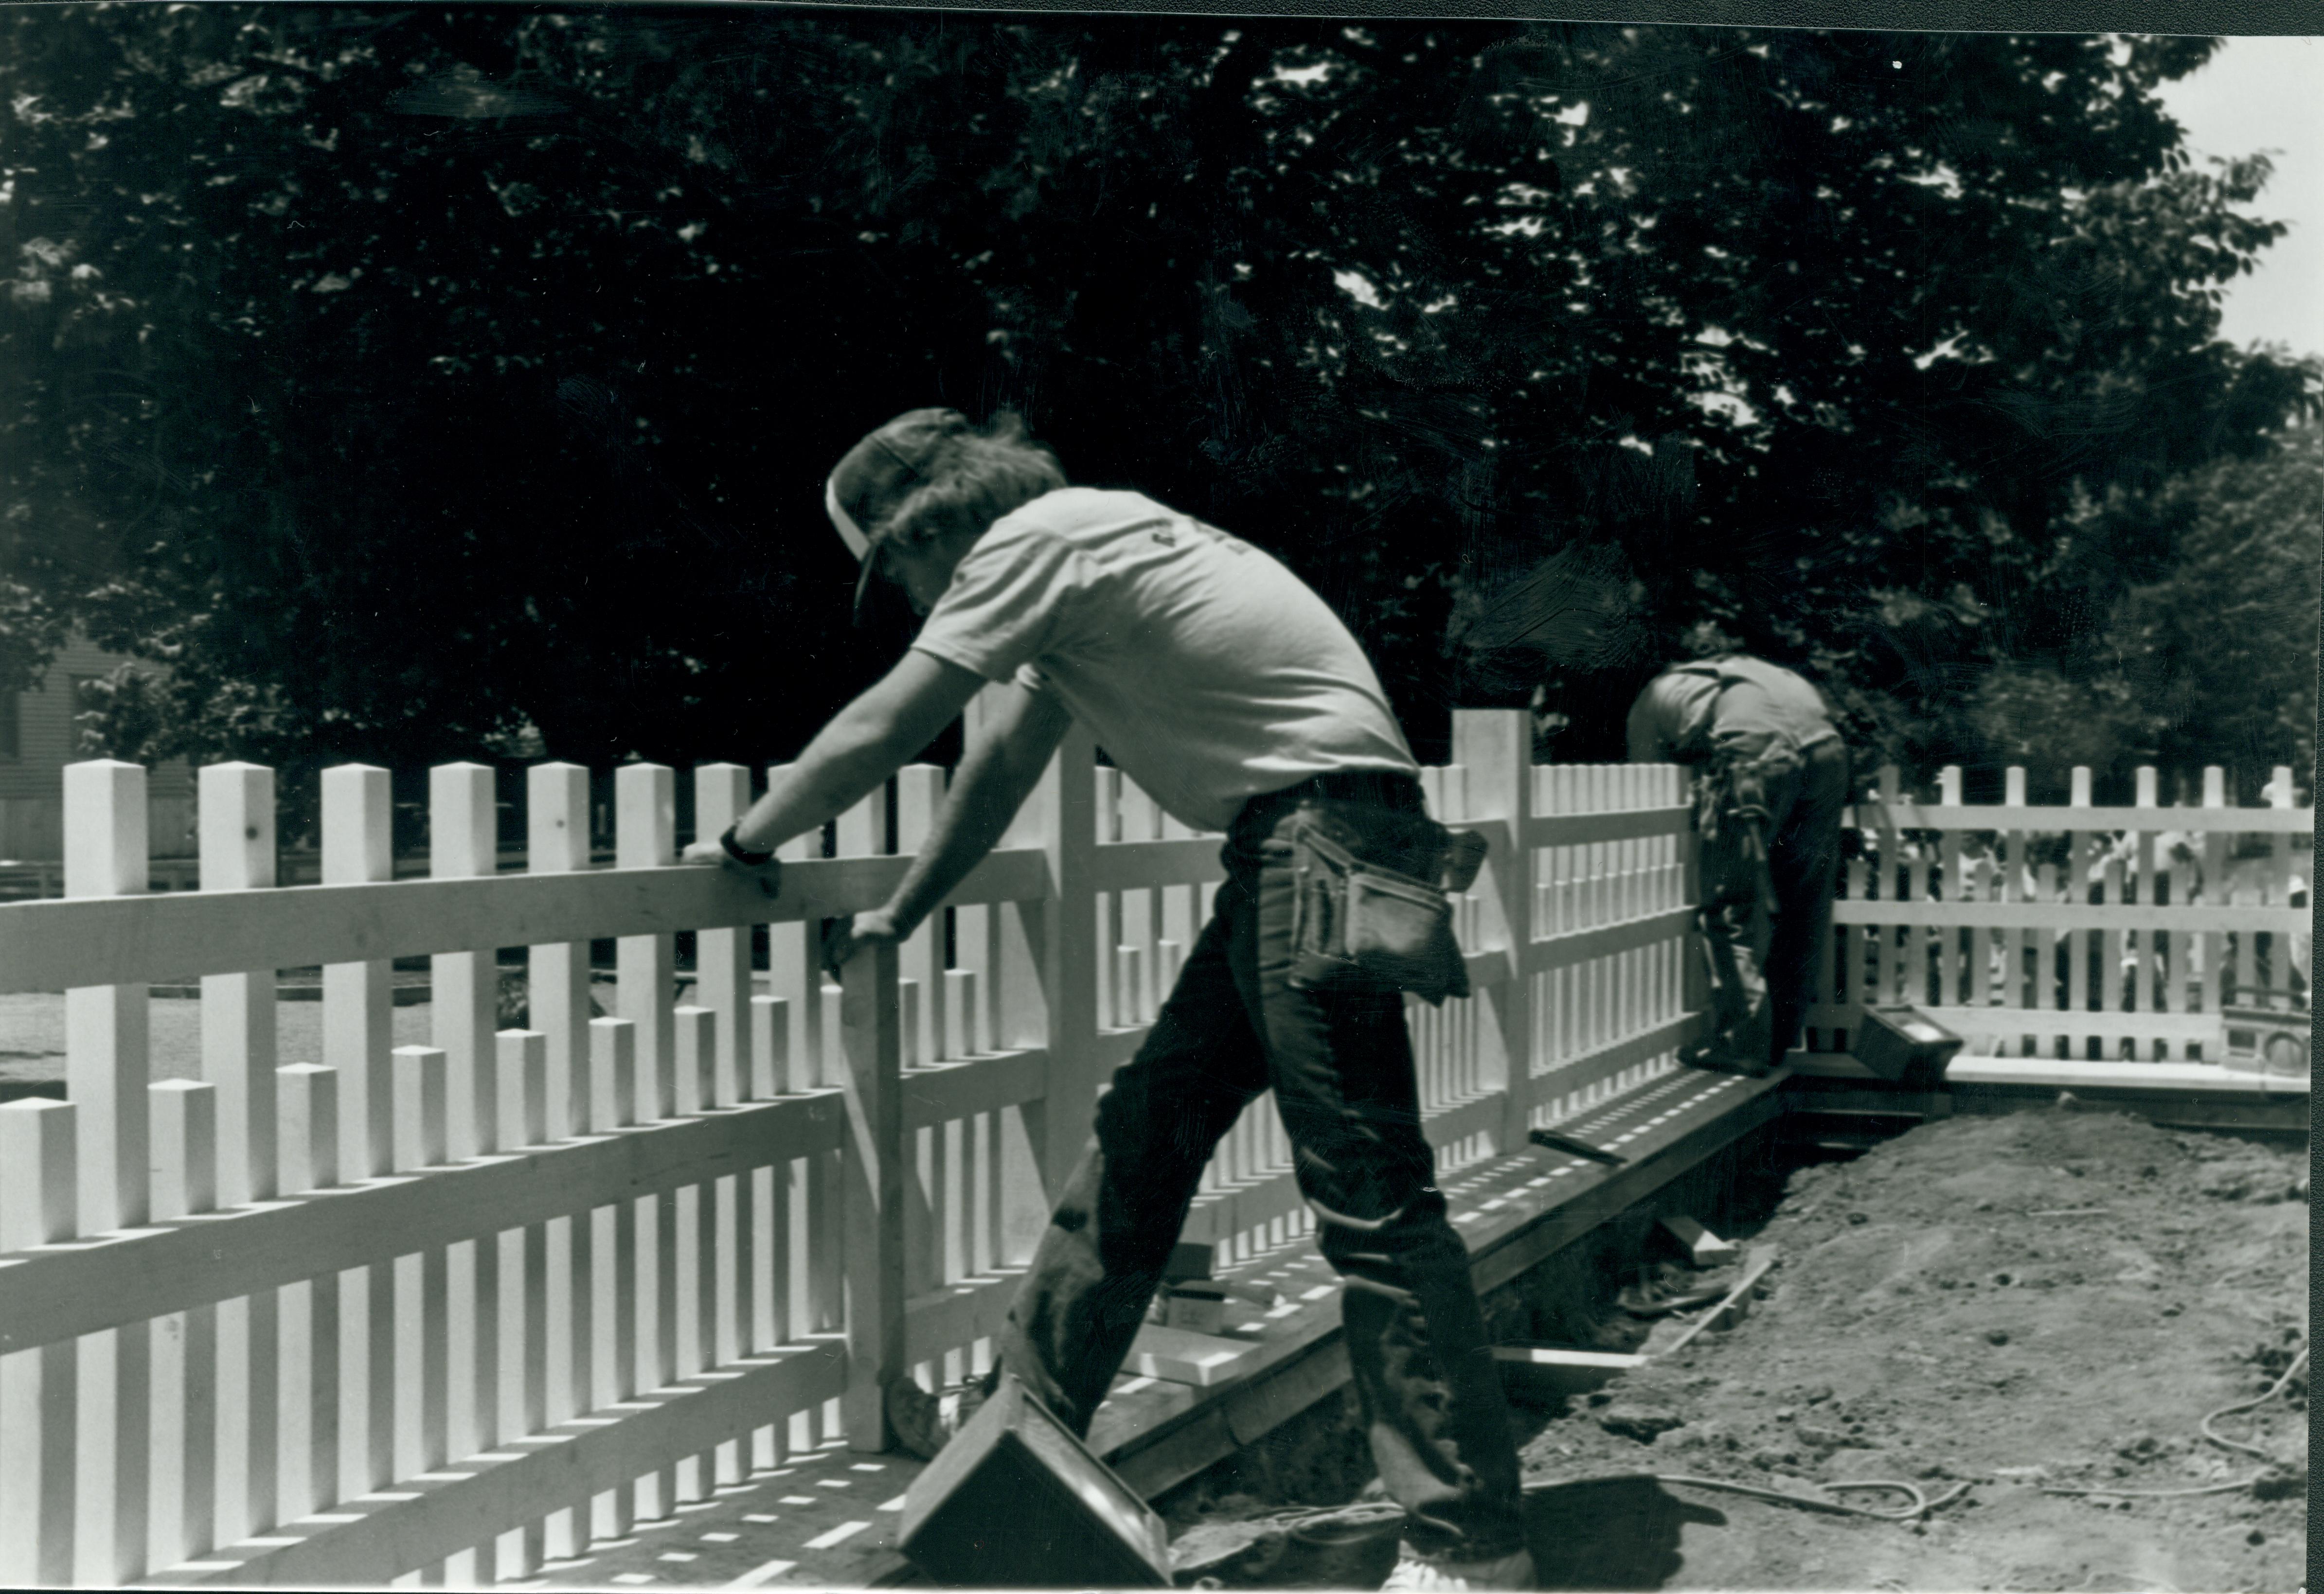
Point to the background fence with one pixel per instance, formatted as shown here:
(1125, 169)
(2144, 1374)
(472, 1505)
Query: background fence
(443, 1310)
(2074, 933)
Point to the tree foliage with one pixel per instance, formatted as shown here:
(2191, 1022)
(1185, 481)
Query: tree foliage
(408, 380)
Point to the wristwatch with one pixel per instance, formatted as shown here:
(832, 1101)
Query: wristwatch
(740, 854)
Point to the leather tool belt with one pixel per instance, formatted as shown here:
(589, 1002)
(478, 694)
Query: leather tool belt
(1357, 923)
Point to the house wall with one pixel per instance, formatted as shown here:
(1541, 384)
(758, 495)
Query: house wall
(38, 739)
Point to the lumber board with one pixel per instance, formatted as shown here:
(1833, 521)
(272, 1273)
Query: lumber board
(1137, 865)
(59, 1291)
(1999, 816)
(2114, 917)
(1621, 824)
(67, 943)
(948, 1090)
(1574, 946)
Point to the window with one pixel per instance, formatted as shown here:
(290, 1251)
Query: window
(11, 736)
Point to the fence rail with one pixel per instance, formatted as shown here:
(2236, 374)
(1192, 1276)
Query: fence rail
(449, 1310)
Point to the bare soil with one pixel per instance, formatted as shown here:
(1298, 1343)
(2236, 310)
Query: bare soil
(2050, 1299)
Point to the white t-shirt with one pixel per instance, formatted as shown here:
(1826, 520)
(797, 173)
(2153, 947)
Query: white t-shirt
(1735, 703)
(1208, 671)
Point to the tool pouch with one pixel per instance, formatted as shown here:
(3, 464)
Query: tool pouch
(1356, 924)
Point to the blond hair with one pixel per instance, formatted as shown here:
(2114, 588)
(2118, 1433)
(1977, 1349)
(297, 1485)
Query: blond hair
(972, 479)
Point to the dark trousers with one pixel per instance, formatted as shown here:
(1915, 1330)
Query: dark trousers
(1341, 1066)
(1765, 928)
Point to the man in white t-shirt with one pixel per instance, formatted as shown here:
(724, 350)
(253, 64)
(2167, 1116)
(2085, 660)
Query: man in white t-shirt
(1225, 688)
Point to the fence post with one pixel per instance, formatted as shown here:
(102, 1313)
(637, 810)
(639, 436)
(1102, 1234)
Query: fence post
(920, 797)
(357, 1012)
(1047, 980)
(237, 854)
(463, 842)
(237, 827)
(722, 958)
(1495, 747)
(645, 836)
(794, 975)
(872, 1189)
(358, 1035)
(2279, 893)
(106, 1073)
(39, 1198)
(556, 975)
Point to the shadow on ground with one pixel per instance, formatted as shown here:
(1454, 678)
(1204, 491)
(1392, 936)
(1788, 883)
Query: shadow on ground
(1609, 1532)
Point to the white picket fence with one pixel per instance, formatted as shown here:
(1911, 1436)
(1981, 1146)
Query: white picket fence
(2075, 934)
(441, 1312)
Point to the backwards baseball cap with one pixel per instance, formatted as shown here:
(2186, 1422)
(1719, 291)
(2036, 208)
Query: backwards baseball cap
(877, 474)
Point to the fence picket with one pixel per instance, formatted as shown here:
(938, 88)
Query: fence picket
(307, 1097)
(107, 1072)
(39, 1202)
(185, 1344)
(557, 996)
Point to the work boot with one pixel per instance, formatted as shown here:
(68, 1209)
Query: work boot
(1416, 1572)
(918, 1418)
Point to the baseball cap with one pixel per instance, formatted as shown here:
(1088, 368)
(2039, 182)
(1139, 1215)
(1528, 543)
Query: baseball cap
(875, 474)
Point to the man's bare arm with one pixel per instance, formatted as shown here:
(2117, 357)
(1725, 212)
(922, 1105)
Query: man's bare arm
(994, 778)
(864, 744)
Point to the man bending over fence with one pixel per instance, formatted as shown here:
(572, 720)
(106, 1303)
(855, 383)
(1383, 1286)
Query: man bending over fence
(1772, 780)
(1227, 689)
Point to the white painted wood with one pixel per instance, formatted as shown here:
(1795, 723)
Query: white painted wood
(557, 841)
(39, 1198)
(369, 1540)
(185, 1349)
(112, 1482)
(237, 854)
(722, 957)
(105, 1025)
(309, 1385)
(645, 800)
(105, 1068)
(45, 943)
(771, 1041)
(1053, 966)
(2091, 917)
(2077, 813)
(1495, 746)
(239, 1389)
(920, 797)
(461, 843)
(693, 1061)
(872, 1192)
(357, 1015)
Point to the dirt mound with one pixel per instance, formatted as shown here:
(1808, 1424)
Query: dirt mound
(2053, 1299)
(2049, 1298)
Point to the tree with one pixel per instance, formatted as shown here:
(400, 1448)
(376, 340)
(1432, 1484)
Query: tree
(410, 381)
(2211, 656)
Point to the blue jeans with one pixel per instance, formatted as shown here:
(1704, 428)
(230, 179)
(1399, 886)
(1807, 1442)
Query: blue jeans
(1765, 926)
(1340, 1062)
